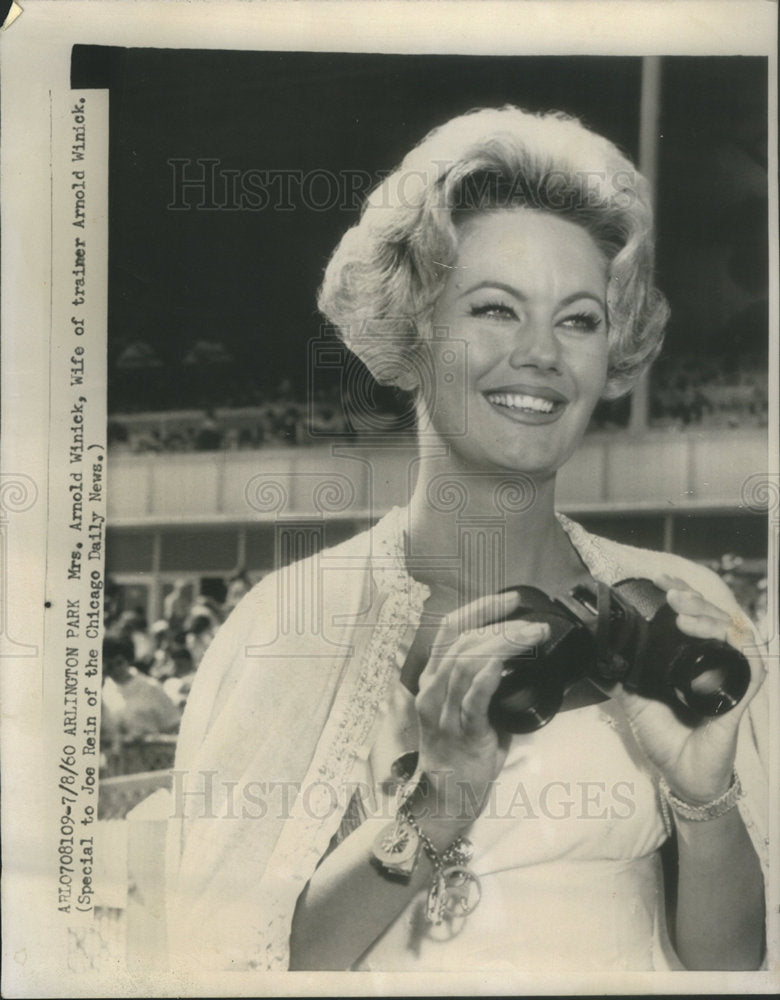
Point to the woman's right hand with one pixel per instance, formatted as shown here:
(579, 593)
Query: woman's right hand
(460, 752)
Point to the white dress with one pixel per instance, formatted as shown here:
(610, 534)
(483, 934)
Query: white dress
(565, 851)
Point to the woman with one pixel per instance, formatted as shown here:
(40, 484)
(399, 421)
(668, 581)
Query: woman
(504, 275)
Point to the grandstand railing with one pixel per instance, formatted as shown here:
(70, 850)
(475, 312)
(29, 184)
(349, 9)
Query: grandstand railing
(360, 480)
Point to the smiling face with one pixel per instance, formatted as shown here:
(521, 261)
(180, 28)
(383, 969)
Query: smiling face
(527, 298)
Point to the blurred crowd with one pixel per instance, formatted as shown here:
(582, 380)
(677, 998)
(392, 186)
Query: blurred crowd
(709, 391)
(685, 391)
(283, 418)
(148, 670)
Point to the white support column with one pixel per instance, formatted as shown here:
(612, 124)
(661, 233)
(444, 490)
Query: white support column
(156, 594)
(649, 114)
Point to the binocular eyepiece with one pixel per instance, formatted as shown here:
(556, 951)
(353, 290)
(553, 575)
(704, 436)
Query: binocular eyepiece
(625, 633)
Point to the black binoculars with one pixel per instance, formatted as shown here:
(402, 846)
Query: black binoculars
(625, 633)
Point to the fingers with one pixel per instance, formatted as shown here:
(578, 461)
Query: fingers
(696, 616)
(690, 604)
(687, 601)
(477, 615)
(703, 626)
(455, 667)
(456, 694)
(484, 610)
(486, 613)
(484, 658)
(476, 700)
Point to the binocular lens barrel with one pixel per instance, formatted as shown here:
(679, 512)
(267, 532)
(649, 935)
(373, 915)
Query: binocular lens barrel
(709, 677)
(627, 634)
(529, 695)
(532, 688)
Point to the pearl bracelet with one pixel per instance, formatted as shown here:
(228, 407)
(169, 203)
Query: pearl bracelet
(698, 813)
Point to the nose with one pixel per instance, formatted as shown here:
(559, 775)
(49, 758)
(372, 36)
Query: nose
(537, 347)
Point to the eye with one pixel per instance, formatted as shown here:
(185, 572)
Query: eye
(494, 310)
(588, 322)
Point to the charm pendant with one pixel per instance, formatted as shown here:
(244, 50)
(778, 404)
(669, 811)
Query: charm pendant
(396, 847)
(453, 895)
(462, 892)
(434, 907)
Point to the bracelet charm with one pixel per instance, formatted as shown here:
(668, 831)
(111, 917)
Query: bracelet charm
(453, 895)
(462, 892)
(455, 891)
(396, 848)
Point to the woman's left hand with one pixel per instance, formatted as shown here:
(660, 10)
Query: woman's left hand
(696, 762)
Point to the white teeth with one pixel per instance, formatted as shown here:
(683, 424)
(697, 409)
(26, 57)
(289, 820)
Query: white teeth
(517, 401)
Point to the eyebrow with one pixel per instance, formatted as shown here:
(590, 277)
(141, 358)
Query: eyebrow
(516, 293)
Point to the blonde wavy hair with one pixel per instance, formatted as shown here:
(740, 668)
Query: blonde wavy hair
(383, 280)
